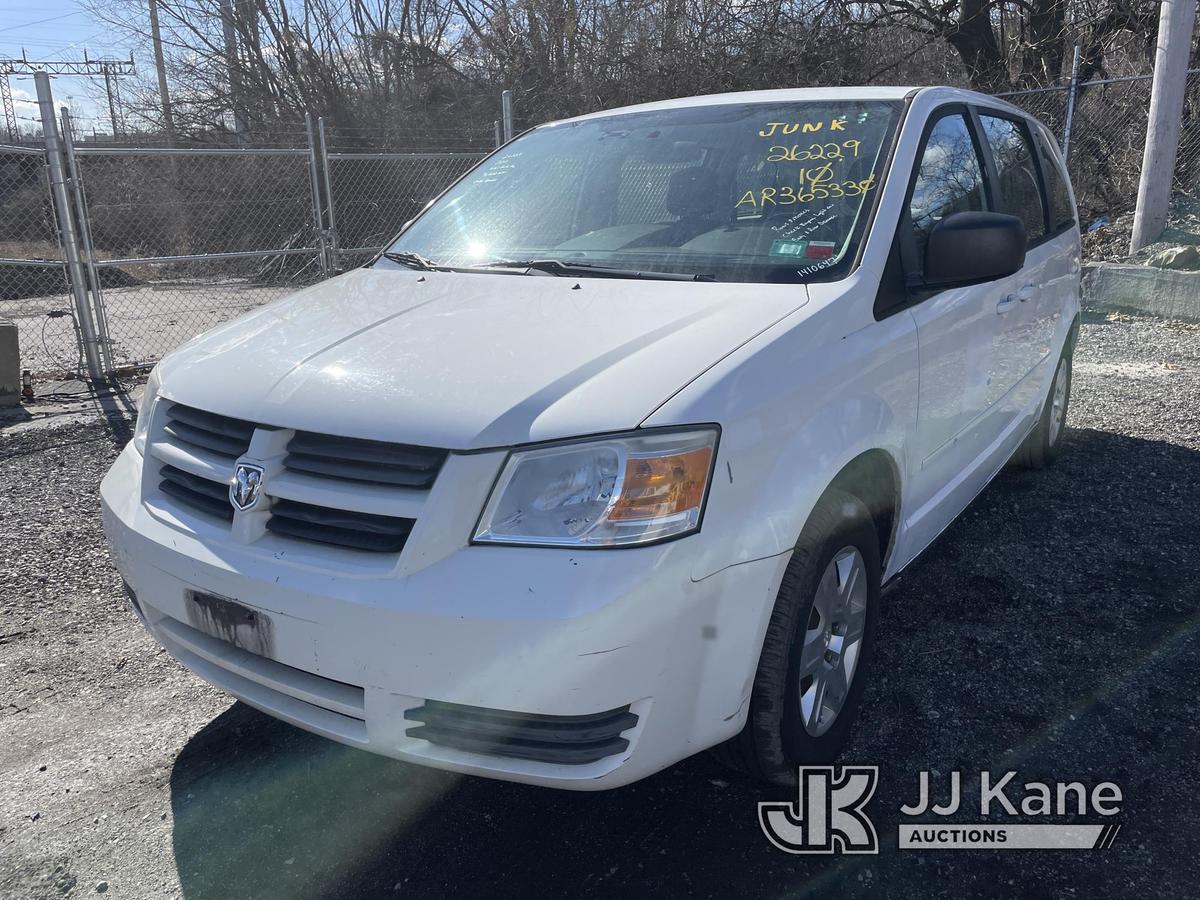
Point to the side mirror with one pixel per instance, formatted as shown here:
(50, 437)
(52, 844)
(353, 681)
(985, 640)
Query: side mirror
(972, 247)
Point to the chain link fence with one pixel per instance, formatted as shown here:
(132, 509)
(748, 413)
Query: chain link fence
(1104, 127)
(373, 194)
(34, 292)
(177, 240)
(173, 241)
(185, 239)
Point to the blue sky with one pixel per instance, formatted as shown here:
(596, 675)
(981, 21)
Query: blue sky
(59, 29)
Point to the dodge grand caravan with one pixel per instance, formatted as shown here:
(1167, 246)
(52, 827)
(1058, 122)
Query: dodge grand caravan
(604, 460)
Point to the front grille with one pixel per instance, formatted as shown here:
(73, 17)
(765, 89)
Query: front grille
(211, 497)
(375, 462)
(208, 431)
(358, 531)
(568, 740)
(322, 475)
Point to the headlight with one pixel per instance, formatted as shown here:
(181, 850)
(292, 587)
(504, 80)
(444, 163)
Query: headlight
(145, 411)
(611, 492)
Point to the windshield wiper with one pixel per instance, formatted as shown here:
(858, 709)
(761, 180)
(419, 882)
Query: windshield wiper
(559, 267)
(410, 259)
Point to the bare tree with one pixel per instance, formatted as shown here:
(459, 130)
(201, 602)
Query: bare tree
(432, 69)
(1005, 44)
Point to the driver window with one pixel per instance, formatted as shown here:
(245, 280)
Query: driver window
(949, 178)
(1020, 191)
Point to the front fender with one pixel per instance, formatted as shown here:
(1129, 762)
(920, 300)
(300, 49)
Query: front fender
(795, 406)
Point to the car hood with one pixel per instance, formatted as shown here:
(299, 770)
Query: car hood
(466, 360)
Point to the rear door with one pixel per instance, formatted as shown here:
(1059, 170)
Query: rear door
(1059, 296)
(1023, 334)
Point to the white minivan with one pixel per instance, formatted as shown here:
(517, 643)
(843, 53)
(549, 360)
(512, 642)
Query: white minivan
(605, 459)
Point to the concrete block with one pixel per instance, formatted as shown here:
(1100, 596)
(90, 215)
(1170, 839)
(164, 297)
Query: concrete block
(10, 365)
(1142, 289)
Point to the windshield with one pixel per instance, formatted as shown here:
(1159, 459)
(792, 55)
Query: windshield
(747, 192)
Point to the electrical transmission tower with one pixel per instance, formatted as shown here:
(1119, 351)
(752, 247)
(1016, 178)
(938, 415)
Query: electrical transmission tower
(108, 67)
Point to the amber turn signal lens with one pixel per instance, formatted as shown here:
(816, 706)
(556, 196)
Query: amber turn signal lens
(663, 485)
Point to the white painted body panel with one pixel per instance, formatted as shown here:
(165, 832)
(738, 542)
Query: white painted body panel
(795, 406)
(531, 629)
(465, 361)
(800, 379)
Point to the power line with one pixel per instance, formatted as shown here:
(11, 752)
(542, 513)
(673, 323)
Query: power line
(60, 45)
(40, 21)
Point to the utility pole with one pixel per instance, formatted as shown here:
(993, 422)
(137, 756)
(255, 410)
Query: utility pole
(1175, 21)
(164, 95)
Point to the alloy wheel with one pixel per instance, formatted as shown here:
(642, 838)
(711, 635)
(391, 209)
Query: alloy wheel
(833, 640)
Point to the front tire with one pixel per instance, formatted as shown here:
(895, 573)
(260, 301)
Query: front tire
(811, 674)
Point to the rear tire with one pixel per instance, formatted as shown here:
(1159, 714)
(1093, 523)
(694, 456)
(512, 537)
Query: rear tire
(809, 684)
(1044, 443)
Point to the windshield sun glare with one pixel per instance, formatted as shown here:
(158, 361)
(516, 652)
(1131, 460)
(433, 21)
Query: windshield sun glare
(740, 192)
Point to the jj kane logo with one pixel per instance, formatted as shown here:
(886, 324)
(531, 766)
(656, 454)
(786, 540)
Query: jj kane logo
(1004, 796)
(828, 816)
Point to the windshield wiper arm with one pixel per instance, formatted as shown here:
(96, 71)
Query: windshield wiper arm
(410, 259)
(559, 267)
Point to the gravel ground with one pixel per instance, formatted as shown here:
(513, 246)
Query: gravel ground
(1052, 630)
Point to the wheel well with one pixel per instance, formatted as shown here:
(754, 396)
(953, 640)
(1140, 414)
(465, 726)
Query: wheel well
(873, 478)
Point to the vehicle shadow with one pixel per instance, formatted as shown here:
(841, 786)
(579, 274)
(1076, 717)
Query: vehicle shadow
(119, 411)
(1051, 630)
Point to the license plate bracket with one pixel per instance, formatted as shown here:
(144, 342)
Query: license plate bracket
(230, 621)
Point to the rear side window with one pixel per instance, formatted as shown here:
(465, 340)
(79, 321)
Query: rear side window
(1020, 191)
(949, 178)
(1062, 212)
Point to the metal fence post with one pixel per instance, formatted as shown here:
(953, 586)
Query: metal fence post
(318, 218)
(506, 113)
(103, 336)
(499, 135)
(1072, 91)
(334, 250)
(66, 225)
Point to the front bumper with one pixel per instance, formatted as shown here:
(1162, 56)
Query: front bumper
(542, 632)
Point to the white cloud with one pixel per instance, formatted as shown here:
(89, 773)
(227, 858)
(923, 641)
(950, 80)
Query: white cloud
(24, 102)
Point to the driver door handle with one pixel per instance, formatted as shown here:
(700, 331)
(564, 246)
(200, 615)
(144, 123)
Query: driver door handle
(1009, 301)
(1026, 293)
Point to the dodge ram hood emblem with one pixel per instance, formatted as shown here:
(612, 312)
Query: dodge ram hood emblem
(247, 482)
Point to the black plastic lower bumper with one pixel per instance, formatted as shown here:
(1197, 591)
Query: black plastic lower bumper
(567, 740)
